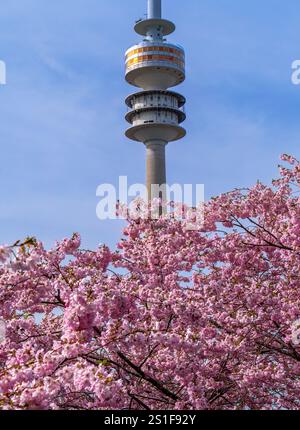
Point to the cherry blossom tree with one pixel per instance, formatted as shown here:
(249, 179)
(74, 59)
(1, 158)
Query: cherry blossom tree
(174, 319)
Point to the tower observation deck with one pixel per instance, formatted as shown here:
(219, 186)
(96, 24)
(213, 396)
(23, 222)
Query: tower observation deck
(155, 113)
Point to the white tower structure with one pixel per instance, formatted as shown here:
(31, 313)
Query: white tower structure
(155, 113)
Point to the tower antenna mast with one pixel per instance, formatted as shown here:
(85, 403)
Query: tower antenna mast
(154, 9)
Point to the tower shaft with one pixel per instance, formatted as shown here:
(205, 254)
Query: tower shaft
(155, 166)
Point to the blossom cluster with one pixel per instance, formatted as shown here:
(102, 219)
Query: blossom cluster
(173, 319)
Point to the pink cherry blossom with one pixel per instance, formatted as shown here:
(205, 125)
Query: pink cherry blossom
(173, 319)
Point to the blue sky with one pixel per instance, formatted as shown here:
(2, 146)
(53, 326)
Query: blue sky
(62, 110)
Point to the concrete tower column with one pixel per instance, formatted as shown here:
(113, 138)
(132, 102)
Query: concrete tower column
(155, 165)
(155, 113)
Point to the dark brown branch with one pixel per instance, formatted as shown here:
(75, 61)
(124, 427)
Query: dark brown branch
(148, 356)
(265, 230)
(139, 401)
(147, 378)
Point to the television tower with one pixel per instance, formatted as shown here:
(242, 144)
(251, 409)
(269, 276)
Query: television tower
(155, 113)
